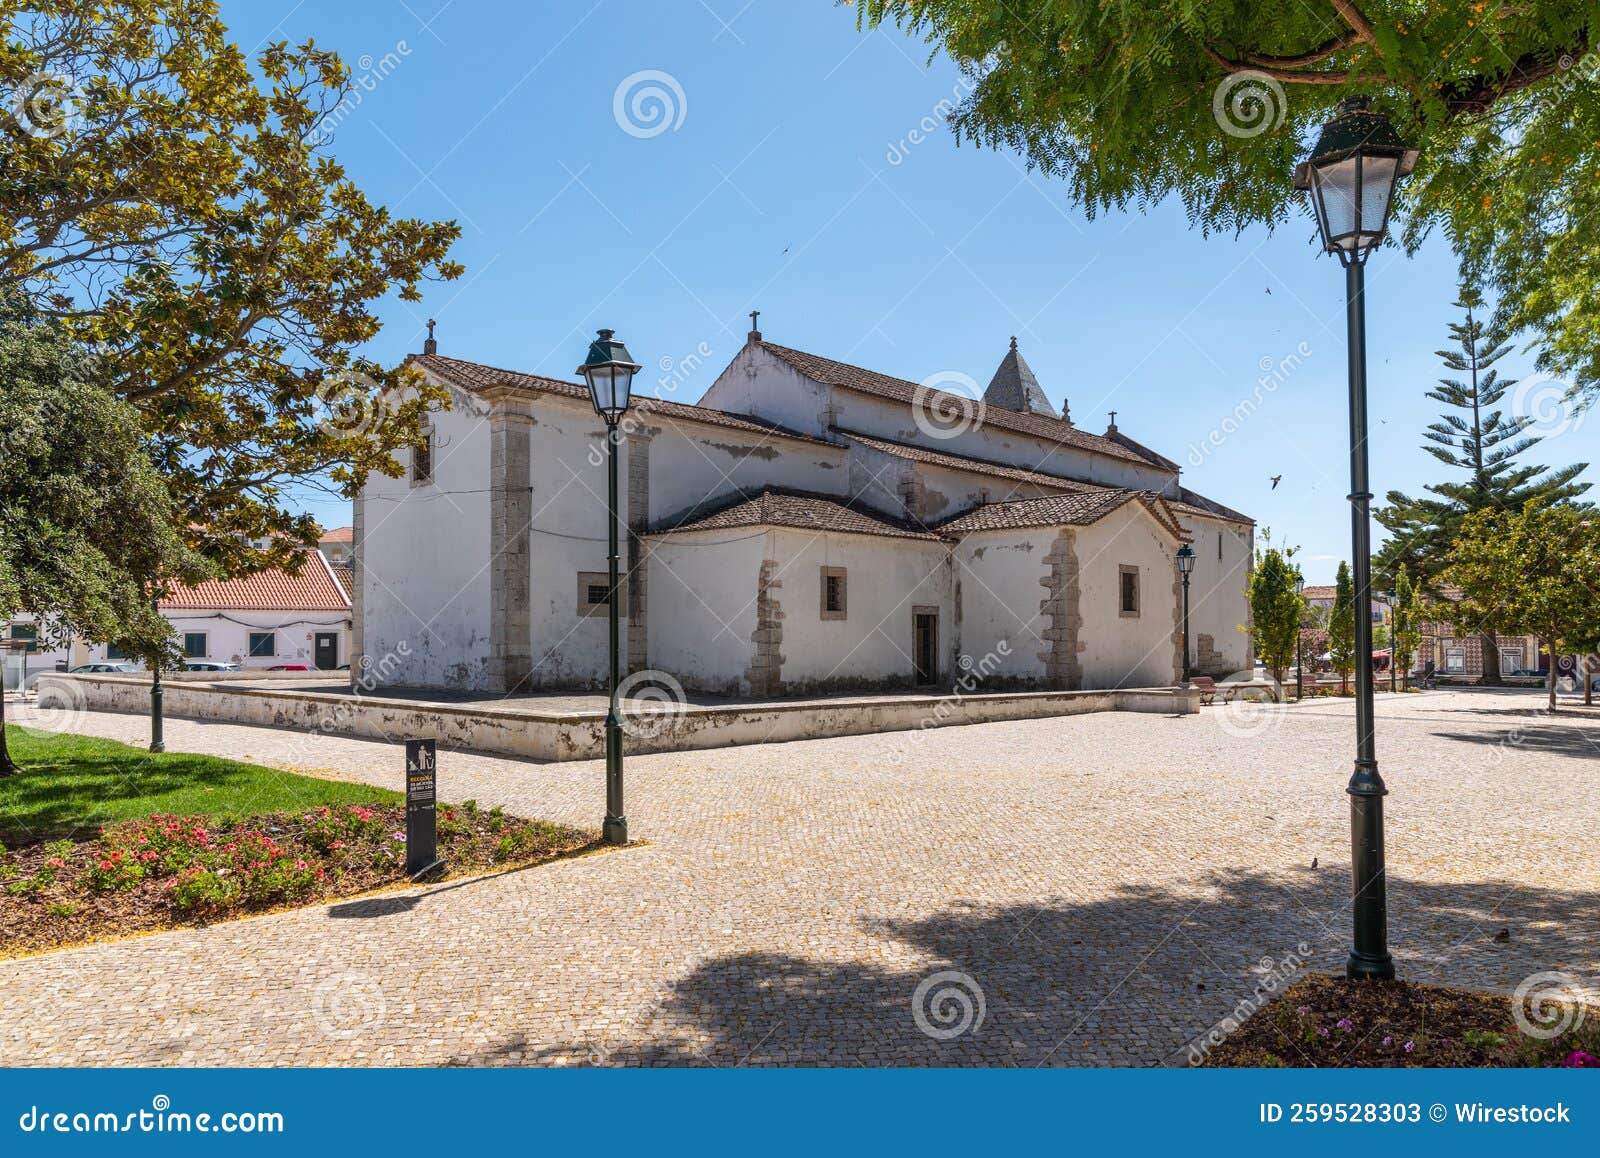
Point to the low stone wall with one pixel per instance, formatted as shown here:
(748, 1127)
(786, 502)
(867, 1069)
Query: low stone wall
(521, 730)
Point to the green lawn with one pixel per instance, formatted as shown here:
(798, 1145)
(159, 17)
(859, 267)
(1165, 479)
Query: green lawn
(70, 785)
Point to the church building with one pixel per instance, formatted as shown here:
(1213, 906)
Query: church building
(808, 527)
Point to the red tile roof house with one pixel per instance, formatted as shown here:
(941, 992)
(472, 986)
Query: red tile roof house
(808, 527)
(263, 620)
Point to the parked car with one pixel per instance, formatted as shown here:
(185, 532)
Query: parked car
(104, 668)
(209, 665)
(290, 667)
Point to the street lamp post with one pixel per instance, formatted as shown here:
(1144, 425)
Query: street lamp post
(1185, 567)
(1351, 177)
(1300, 640)
(609, 371)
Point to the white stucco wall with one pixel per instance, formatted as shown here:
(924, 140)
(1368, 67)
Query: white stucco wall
(228, 635)
(1217, 601)
(1122, 651)
(705, 585)
(999, 574)
(424, 562)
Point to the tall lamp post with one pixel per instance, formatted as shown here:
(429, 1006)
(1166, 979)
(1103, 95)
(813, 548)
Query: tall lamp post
(1185, 568)
(1300, 640)
(1350, 178)
(609, 370)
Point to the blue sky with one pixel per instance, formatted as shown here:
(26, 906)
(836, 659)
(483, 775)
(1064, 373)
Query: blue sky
(789, 180)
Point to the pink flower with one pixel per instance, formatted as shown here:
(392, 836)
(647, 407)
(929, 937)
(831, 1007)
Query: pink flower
(1345, 1024)
(1409, 1046)
(1387, 1042)
(1581, 1060)
(1322, 1031)
(336, 844)
(400, 836)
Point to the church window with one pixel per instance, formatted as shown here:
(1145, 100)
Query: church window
(1128, 590)
(833, 593)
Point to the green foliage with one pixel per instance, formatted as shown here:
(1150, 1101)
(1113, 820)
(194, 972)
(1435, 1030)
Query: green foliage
(172, 201)
(1124, 100)
(1276, 608)
(1342, 626)
(1408, 620)
(85, 518)
(1533, 571)
(1476, 436)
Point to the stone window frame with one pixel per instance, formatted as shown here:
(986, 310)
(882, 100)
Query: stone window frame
(1462, 652)
(250, 645)
(422, 462)
(590, 579)
(842, 575)
(1125, 569)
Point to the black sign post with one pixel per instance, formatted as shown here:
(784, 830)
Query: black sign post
(422, 799)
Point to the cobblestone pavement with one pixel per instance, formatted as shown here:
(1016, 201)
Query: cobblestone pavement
(1110, 886)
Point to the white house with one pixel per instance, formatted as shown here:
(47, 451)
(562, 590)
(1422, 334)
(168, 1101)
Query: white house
(808, 527)
(264, 620)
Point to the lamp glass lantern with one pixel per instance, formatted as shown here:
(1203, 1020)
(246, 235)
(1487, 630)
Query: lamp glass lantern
(1299, 584)
(1186, 559)
(1351, 177)
(609, 371)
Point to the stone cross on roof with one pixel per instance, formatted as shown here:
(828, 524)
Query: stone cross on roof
(1014, 387)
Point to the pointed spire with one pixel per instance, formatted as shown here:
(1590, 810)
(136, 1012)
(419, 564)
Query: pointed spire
(430, 346)
(1014, 387)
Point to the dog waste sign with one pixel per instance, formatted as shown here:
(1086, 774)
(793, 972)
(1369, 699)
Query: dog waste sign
(422, 804)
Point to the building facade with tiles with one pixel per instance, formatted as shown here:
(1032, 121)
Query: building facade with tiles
(808, 527)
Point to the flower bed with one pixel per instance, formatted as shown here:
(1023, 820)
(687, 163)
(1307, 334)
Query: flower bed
(168, 871)
(1329, 1021)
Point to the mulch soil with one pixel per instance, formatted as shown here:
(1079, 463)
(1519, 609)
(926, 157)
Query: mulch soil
(1329, 1021)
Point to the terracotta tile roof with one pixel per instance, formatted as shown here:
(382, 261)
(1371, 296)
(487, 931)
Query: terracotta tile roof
(1197, 504)
(337, 535)
(779, 507)
(476, 376)
(314, 589)
(1071, 510)
(832, 373)
(346, 575)
(1319, 592)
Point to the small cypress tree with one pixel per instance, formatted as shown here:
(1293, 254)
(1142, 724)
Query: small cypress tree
(1342, 628)
(1407, 630)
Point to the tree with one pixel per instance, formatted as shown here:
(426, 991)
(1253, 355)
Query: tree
(84, 516)
(1408, 618)
(1342, 628)
(1535, 571)
(1275, 608)
(1131, 101)
(183, 217)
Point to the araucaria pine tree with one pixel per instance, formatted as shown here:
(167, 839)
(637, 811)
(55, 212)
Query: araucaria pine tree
(1342, 628)
(1479, 438)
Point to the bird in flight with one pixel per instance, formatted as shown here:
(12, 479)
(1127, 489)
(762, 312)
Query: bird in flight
(1276, 479)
